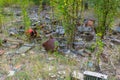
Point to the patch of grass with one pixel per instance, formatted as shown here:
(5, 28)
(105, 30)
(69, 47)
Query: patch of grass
(64, 60)
(0, 42)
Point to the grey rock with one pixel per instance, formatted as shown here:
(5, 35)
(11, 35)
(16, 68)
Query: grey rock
(115, 41)
(84, 29)
(81, 43)
(18, 13)
(24, 48)
(116, 29)
(81, 52)
(12, 31)
(40, 79)
(52, 75)
(60, 30)
(76, 75)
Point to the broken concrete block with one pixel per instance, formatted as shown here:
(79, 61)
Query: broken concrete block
(24, 48)
(76, 75)
(89, 75)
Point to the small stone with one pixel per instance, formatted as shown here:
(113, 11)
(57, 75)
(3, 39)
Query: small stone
(76, 75)
(116, 29)
(61, 72)
(115, 41)
(118, 71)
(51, 58)
(90, 64)
(24, 48)
(118, 74)
(32, 52)
(52, 75)
(81, 52)
(12, 31)
(23, 55)
(13, 46)
(60, 30)
(11, 73)
(48, 68)
(40, 79)
(1, 52)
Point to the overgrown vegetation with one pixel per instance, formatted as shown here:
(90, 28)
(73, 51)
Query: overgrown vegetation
(69, 13)
(105, 11)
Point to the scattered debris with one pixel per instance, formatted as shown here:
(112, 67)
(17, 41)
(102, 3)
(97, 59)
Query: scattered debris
(31, 33)
(49, 45)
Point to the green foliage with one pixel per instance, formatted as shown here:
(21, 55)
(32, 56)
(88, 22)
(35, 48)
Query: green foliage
(64, 60)
(36, 2)
(7, 3)
(105, 12)
(1, 17)
(0, 22)
(67, 11)
(24, 6)
(23, 76)
(0, 42)
(92, 48)
(100, 47)
(45, 2)
(26, 19)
